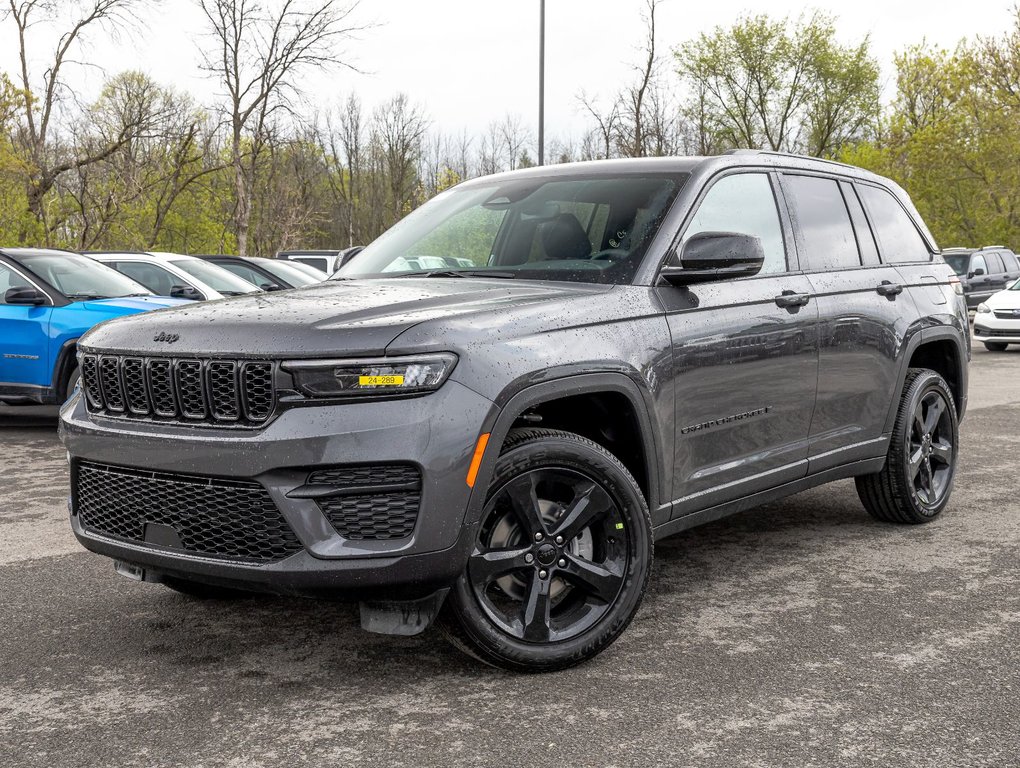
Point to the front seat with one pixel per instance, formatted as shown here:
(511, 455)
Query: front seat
(565, 238)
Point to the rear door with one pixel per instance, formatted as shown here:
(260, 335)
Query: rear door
(24, 337)
(1012, 267)
(863, 315)
(996, 271)
(745, 354)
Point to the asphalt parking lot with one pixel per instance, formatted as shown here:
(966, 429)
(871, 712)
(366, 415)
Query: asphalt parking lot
(801, 633)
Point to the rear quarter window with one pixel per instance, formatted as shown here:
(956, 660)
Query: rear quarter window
(898, 239)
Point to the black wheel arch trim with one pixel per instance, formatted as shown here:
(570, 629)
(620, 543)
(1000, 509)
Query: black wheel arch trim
(914, 341)
(501, 420)
(66, 362)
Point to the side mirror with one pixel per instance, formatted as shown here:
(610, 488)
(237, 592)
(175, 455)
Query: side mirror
(25, 295)
(186, 292)
(271, 287)
(711, 256)
(977, 273)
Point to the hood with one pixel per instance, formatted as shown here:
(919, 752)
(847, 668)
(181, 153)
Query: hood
(356, 317)
(1004, 300)
(130, 304)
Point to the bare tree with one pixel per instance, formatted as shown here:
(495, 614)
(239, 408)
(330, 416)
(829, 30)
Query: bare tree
(259, 57)
(42, 94)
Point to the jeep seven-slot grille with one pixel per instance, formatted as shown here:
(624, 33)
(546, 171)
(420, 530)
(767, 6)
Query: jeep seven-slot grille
(371, 502)
(190, 390)
(212, 517)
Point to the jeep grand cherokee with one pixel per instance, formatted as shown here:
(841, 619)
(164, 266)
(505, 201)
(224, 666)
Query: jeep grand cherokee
(490, 414)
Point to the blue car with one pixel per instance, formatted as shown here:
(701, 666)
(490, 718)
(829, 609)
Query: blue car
(47, 300)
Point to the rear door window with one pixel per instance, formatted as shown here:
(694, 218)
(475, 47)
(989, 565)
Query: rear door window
(898, 238)
(825, 236)
(995, 263)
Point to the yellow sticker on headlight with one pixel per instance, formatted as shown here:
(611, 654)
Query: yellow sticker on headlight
(380, 381)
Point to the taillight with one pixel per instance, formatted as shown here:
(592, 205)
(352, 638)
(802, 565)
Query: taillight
(957, 285)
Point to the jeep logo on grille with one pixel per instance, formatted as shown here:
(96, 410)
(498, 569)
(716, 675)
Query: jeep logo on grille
(169, 338)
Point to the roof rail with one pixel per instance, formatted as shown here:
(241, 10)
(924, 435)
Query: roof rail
(774, 153)
(989, 247)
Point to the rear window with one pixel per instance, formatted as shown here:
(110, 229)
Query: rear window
(957, 261)
(898, 238)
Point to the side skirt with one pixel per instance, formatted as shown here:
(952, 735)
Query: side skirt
(864, 467)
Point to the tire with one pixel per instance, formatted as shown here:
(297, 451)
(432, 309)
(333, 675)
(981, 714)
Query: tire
(917, 480)
(561, 560)
(72, 382)
(201, 591)
(996, 346)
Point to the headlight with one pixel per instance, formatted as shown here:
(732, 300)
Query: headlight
(375, 376)
(982, 307)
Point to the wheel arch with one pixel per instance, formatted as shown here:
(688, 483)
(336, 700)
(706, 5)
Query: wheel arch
(570, 393)
(941, 350)
(65, 362)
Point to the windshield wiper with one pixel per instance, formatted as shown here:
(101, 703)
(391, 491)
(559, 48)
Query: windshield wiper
(459, 273)
(87, 296)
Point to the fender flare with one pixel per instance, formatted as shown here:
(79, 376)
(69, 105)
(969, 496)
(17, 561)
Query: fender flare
(499, 423)
(63, 365)
(914, 341)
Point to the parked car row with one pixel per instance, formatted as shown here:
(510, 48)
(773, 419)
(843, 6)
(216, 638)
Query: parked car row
(983, 271)
(49, 298)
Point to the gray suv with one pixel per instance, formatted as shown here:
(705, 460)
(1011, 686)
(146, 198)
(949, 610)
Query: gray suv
(593, 357)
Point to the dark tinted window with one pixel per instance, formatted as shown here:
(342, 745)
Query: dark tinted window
(898, 238)
(865, 237)
(1011, 262)
(824, 234)
(995, 263)
(958, 261)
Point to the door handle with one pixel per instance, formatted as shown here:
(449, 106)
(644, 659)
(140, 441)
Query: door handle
(889, 289)
(789, 299)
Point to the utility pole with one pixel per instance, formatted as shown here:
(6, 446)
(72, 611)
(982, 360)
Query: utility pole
(541, 83)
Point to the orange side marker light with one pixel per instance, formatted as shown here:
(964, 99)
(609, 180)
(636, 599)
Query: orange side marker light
(476, 460)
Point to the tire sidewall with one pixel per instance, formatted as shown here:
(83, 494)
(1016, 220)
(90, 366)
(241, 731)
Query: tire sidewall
(927, 382)
(564, 452)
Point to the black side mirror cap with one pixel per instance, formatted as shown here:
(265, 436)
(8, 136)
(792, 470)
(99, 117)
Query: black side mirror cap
(25, 295)
(186, 292)
(977, 273)
(711, 256)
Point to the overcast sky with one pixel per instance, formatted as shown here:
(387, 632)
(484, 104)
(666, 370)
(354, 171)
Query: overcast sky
(471, 61)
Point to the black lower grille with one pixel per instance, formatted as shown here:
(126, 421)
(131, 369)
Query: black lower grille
(372, 502)
(997, 332)
(213, 517)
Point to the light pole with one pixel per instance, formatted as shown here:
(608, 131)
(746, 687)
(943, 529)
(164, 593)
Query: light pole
(541, 83)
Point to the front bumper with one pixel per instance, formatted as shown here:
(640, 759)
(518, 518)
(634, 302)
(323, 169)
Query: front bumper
(437, 433)
(988, 327)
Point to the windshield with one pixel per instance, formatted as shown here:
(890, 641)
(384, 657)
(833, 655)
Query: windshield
(958, 262)
(291, 274)
(308, 269)
(591, 229)
(218, 279)
(79, 277)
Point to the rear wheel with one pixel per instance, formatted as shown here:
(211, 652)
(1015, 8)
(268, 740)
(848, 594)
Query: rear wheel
(915, 484)
(561, 560)
(996, 346)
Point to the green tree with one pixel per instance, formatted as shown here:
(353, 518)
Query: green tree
(779, 84)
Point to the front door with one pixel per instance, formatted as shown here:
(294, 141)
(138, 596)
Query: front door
(746, 358)
(24, 340)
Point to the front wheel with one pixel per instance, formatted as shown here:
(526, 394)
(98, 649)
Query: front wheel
(561, 559)
(915, 484)
(996, 346)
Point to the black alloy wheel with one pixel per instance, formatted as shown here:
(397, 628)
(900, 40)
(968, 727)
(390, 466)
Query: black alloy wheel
(915, 484)
(560, 560)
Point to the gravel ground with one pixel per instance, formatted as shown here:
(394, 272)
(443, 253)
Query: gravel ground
(801, 633)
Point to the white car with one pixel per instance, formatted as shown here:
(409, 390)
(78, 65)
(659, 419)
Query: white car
(177, 275)
(997, 322)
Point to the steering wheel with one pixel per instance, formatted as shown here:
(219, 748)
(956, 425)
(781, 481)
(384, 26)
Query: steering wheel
(610, 254)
